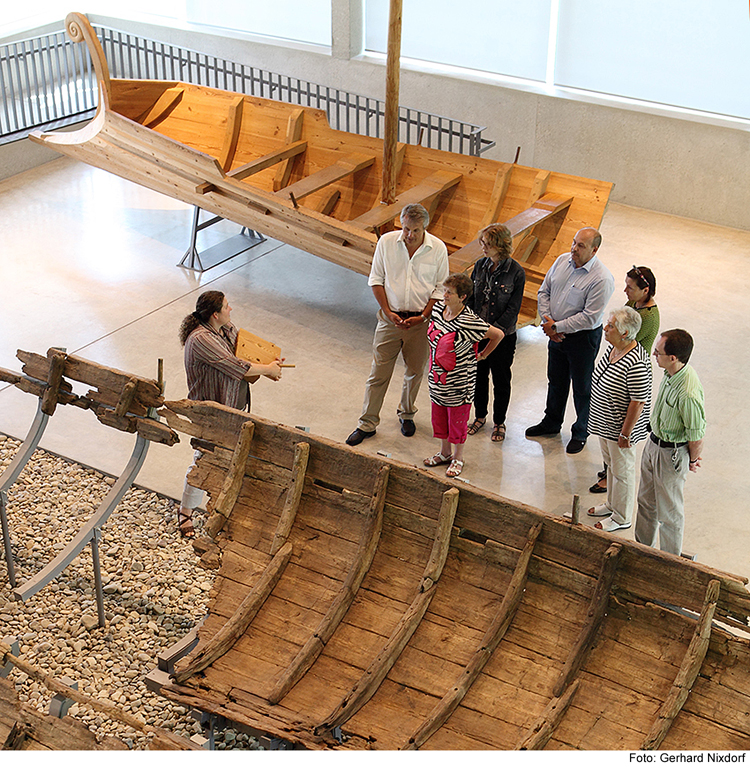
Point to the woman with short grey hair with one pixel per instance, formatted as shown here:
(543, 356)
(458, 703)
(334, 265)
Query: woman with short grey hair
(620, 407)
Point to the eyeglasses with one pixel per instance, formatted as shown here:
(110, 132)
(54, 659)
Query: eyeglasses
(657, 353)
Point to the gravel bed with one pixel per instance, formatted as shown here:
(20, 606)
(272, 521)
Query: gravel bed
(154, 593)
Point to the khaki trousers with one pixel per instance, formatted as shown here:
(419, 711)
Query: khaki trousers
(661, 506)
(390, 341)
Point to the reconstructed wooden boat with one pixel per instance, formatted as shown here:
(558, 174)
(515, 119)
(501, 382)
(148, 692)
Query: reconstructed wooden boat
(281, 170)
(362, 603)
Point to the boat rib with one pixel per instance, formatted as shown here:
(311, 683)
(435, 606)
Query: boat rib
(371, 679)
(293, 496)
(236, 626)
(230, 491)
(596, 612)
(343, 600)
(492, 637)
(689, 670)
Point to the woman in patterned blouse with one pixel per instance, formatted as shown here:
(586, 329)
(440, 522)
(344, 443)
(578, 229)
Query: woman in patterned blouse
(214, 373)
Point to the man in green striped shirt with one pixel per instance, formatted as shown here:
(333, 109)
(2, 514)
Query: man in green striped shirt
(678, 424)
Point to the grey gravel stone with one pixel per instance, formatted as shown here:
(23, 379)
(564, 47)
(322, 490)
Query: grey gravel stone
(155, 592)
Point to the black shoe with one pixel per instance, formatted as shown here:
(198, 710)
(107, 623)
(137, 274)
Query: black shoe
(408, 428)
(596, 488)
(358, 436)
(574, 446)
(540, 429)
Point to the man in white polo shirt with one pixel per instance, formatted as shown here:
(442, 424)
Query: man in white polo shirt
(408, 270)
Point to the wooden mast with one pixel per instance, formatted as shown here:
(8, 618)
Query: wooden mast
(390, 123)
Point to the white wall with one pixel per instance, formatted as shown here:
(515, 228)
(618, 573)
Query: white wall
(686, 166)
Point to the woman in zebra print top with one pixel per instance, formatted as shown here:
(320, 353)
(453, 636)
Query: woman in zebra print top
(453, 333)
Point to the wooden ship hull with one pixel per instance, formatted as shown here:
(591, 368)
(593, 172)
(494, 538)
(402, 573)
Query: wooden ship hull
(281, 170)
(362, 603)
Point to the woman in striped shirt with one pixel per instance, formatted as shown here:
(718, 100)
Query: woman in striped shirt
(620, 401)
(214, 373)
(453, 333)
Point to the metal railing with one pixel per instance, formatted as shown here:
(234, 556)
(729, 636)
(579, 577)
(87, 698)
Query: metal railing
(48, 82)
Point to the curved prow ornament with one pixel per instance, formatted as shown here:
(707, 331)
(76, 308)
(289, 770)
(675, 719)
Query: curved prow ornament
(79, 30)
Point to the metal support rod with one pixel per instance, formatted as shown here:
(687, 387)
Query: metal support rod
(96, 535)
(10, 564)
(84, 535)
(11, 473)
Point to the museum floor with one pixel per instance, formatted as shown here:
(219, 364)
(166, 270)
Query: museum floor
(88, 262)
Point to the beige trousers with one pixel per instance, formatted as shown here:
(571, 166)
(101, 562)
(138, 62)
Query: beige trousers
(390, 341)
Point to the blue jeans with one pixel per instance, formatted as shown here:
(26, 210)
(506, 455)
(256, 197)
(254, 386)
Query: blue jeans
(571, 361)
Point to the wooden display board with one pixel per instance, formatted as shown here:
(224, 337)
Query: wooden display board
(253, 348)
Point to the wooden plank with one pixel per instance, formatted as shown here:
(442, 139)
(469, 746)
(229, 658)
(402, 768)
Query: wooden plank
(596, 614)
(346, 166)
(327, 202)
(495, 633)
(369, 682)
(109, 381)
(268, 160)
(437, 183)
(294, 128)
(688, 673)
(346, 595)
(166, 103)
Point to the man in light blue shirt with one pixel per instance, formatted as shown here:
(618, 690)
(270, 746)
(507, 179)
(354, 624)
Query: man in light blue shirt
(572, 300)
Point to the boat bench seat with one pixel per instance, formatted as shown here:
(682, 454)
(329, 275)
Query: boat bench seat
(426, 190)
(520, 225)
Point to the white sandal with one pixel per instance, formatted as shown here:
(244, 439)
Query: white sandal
(599, 511)
(609, 524)
(437, 459)
(455, 468)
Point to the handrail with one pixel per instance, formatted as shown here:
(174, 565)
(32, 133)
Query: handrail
(48, 82)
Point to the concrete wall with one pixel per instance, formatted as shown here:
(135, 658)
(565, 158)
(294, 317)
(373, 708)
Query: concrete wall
(657, 159)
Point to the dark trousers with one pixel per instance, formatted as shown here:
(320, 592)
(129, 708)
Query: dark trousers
(571, 361)
(498, 364)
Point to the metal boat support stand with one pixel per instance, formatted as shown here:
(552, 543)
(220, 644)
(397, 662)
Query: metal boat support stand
(220, 252)
(11, 473)
(90, 533)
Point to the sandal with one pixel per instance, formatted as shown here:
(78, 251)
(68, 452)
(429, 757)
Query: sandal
(185, 524)
(599, 511)
(599, 487)
(498, 433)
(609, 524)
(437, 459)
(455, 468)
(476, 426)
